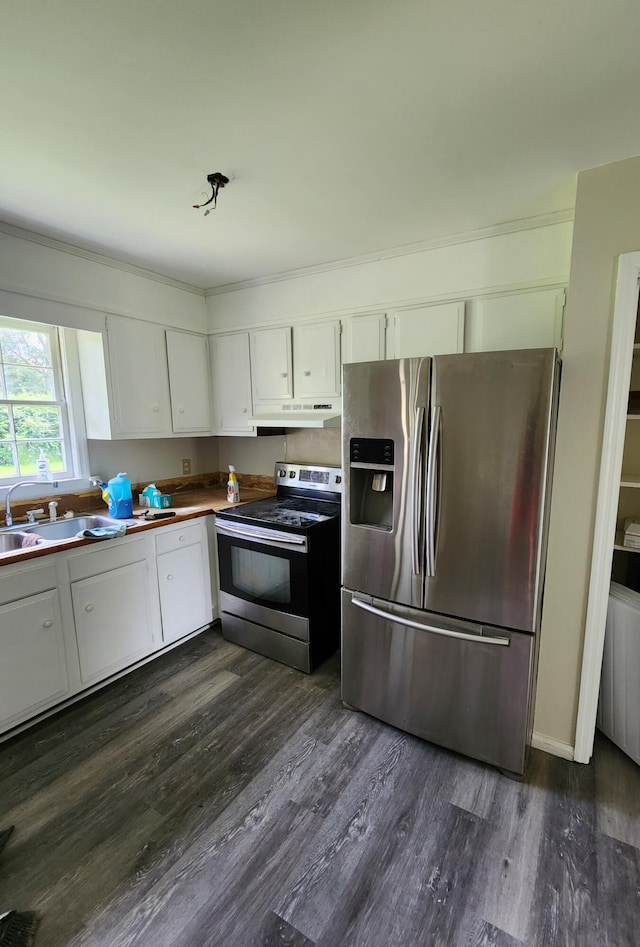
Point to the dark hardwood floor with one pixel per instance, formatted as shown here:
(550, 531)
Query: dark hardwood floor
(217, 798)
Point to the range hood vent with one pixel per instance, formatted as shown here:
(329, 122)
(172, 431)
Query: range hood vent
(298, 415)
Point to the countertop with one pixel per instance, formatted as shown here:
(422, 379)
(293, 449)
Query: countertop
(187, 505)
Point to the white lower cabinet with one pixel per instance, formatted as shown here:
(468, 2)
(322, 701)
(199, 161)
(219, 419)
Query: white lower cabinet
(184, 584)
(76, 618)
(112, 620)
(33, 669)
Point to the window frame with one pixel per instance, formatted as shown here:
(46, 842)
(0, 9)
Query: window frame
(61, 343)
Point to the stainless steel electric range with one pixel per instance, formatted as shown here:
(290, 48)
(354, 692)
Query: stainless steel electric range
(279, 562)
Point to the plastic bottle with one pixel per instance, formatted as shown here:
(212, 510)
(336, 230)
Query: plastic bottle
(120, 497)
(149, 492)
(42, 467)
(233, 490)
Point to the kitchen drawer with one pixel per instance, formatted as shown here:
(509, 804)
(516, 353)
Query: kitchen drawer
(23, 582)
(112, 554)
(168, 540)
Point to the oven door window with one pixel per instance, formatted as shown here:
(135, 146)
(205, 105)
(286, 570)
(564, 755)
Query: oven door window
(263, 574)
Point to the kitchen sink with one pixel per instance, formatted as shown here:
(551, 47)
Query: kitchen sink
(67, 529)
(20, 540)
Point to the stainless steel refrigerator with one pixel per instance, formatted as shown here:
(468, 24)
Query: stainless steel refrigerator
(447, 464)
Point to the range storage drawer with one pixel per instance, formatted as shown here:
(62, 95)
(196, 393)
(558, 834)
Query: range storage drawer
(471, 696)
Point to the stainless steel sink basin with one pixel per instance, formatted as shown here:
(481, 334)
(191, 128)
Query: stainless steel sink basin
(20, 540)
(67, 529)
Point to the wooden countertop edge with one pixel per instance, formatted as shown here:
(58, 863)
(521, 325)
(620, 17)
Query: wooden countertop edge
(204, 503)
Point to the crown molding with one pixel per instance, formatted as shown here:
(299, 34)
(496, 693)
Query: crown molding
(54, 244)
(482, 233)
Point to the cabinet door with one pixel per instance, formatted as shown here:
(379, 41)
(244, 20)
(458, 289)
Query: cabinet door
(188, 360)
(428, 330)
(316, 360)
(231, 375)
(183, 602)
(271, 364)
(33, 669)
(139, 377)
(365, 338)
(112, 619)
(517, 321)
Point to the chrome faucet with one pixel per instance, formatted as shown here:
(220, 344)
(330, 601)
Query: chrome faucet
(8, 519)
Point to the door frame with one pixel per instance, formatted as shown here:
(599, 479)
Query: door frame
(620, 362)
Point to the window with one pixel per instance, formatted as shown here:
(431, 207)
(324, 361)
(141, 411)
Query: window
(33, 409)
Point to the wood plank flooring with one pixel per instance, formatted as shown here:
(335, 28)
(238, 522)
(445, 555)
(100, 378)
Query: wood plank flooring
(215, 798)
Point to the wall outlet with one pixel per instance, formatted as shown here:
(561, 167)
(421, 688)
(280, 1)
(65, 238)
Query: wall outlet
(186, 466)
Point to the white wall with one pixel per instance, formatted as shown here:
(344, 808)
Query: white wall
(607, 223)
(531, 257)
(153, 459)
(51, 282)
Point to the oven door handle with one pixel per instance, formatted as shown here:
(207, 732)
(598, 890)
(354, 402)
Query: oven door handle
(266, 536)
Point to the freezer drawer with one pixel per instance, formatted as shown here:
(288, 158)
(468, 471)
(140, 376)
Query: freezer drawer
(472, 695)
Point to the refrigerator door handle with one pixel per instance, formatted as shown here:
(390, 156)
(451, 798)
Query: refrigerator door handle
(432, 481)
(416, 492)
(445, 632)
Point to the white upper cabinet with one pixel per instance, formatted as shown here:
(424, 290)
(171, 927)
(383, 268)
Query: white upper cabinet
(316, 360)
(231, 383)
(364, 338)
(272, 364)
(516, 321)
(188, 361)
(303, 362)
(125, 381)
(428, 330)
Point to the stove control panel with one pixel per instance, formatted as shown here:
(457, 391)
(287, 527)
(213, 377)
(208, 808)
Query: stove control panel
(309, 477)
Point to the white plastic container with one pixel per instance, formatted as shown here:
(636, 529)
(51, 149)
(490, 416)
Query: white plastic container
(619, 704)
(233, 490)
(42, 467)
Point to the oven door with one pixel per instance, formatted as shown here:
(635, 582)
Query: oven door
(264, 567)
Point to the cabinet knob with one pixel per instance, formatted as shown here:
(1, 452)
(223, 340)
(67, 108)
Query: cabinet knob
(180, 538)
(155, 409)
(283, 374)
(307, 374)
(180, 410)
(244, 411)
(169, 578)
(88, 608)
(48, 623)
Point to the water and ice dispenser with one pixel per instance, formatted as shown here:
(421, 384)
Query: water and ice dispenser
(371, 482)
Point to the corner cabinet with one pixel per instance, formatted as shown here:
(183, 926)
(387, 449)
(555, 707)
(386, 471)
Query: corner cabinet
(231, 384)
(142, 380)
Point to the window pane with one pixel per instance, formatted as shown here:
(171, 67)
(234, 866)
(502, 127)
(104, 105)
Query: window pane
(29, 451)
(29, 384)
(25, 348)
(8, 465)
(37, 422)
(5, 423)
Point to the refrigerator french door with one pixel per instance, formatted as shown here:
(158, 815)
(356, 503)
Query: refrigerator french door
(447, 466)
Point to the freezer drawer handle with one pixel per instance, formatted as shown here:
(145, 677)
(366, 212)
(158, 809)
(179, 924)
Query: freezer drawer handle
(479, 639)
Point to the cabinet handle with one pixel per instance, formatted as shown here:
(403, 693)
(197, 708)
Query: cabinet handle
(88, 608)
(48, 623)
(169, 578)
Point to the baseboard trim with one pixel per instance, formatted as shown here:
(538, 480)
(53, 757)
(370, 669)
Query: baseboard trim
(556, 747)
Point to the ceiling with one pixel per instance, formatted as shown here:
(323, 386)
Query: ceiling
(348, 127)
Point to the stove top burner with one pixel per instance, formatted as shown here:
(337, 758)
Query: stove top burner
(285, 511)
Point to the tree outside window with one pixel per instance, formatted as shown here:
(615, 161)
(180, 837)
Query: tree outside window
(33, 415)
